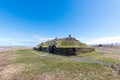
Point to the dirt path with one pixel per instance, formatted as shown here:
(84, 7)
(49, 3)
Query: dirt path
(116, 67)
(77, 59)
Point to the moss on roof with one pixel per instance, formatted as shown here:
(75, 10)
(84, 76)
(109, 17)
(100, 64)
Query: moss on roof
(64, 42)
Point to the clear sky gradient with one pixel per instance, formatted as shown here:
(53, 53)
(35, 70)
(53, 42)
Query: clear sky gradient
(29, 22)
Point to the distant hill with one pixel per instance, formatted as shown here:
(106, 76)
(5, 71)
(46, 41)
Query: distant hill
(64, 42)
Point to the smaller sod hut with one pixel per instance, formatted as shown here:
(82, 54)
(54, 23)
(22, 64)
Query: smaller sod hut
(64, 46)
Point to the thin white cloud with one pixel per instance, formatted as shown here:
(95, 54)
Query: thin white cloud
(33, 41)
(14, 42)
(105, 40)
(26, 42)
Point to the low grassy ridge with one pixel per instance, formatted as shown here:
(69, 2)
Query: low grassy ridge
(45, 67)
(105, 57)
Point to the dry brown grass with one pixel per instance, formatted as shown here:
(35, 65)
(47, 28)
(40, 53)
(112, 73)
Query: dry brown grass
(10, 71)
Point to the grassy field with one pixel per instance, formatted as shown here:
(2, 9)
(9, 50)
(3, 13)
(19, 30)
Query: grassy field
(35, 65)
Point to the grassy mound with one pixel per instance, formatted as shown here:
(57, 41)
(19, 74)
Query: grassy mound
(65, 42)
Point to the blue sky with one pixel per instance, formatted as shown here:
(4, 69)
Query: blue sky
(29, 22)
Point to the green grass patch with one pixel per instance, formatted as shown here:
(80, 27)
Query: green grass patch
(92, 54)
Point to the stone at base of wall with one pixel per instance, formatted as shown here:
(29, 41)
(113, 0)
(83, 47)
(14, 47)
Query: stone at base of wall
(68, 51)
